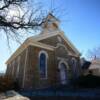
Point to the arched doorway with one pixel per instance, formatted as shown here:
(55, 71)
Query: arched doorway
(63, 72)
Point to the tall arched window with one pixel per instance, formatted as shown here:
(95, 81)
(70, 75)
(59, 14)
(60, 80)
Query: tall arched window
(74, 68)
(43, 64)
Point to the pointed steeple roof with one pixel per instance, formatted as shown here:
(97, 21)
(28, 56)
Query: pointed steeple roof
(51, 22)
(50, 15)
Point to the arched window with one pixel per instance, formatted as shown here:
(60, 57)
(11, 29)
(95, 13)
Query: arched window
(63, 66)
(74, 64)
(43, 64)
(74, 67)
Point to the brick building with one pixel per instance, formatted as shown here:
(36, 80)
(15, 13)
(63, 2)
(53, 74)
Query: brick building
(46, 59)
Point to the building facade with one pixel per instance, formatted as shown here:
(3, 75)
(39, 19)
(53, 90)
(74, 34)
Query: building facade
(94, 68)
(44, 60)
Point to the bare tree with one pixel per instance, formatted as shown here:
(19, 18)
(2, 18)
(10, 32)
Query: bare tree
(94, 53)
(15, 16)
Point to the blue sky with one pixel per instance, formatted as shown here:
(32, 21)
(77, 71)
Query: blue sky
(81, 25)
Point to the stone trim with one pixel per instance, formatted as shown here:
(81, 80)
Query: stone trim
(18, 61)
(42, 51)
(26, 56)
(33, 41)
(63, 61)
(25, 45)
(75, 69)
(13, 63)
(69, 53)
(41, 45)
(70, 44)
(60, 58)
(62, 45)
(54, 33)
(73, 55)
(44, 36)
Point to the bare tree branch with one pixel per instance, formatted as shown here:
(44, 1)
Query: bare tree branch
(15, 17)
(12, 23)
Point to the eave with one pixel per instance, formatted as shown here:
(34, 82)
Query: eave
(54, 33)
(25, 45)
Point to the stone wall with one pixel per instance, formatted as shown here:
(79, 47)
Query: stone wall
(12, 68)
(29, 70)
(53, 41)
(32, 72)
(62, 54)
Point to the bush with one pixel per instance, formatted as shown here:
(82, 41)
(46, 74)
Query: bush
(6, 83)
(89, 81)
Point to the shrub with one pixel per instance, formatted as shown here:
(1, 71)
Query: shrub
(6, 83)
(89, 81)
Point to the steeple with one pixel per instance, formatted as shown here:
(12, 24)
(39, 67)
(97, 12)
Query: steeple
(51, 23)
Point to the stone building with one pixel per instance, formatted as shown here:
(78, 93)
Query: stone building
(44, 60)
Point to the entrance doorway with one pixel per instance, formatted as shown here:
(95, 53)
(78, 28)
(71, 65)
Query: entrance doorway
(63, 73)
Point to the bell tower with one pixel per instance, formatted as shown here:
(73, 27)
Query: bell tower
(51, 24)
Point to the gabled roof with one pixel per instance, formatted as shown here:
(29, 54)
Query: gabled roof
(50, 20)
(50, 14)
(54, 33)
(95, 64)
(25, 45)
(35, 41)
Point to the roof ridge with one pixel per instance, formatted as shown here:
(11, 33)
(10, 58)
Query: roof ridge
(40, 36)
